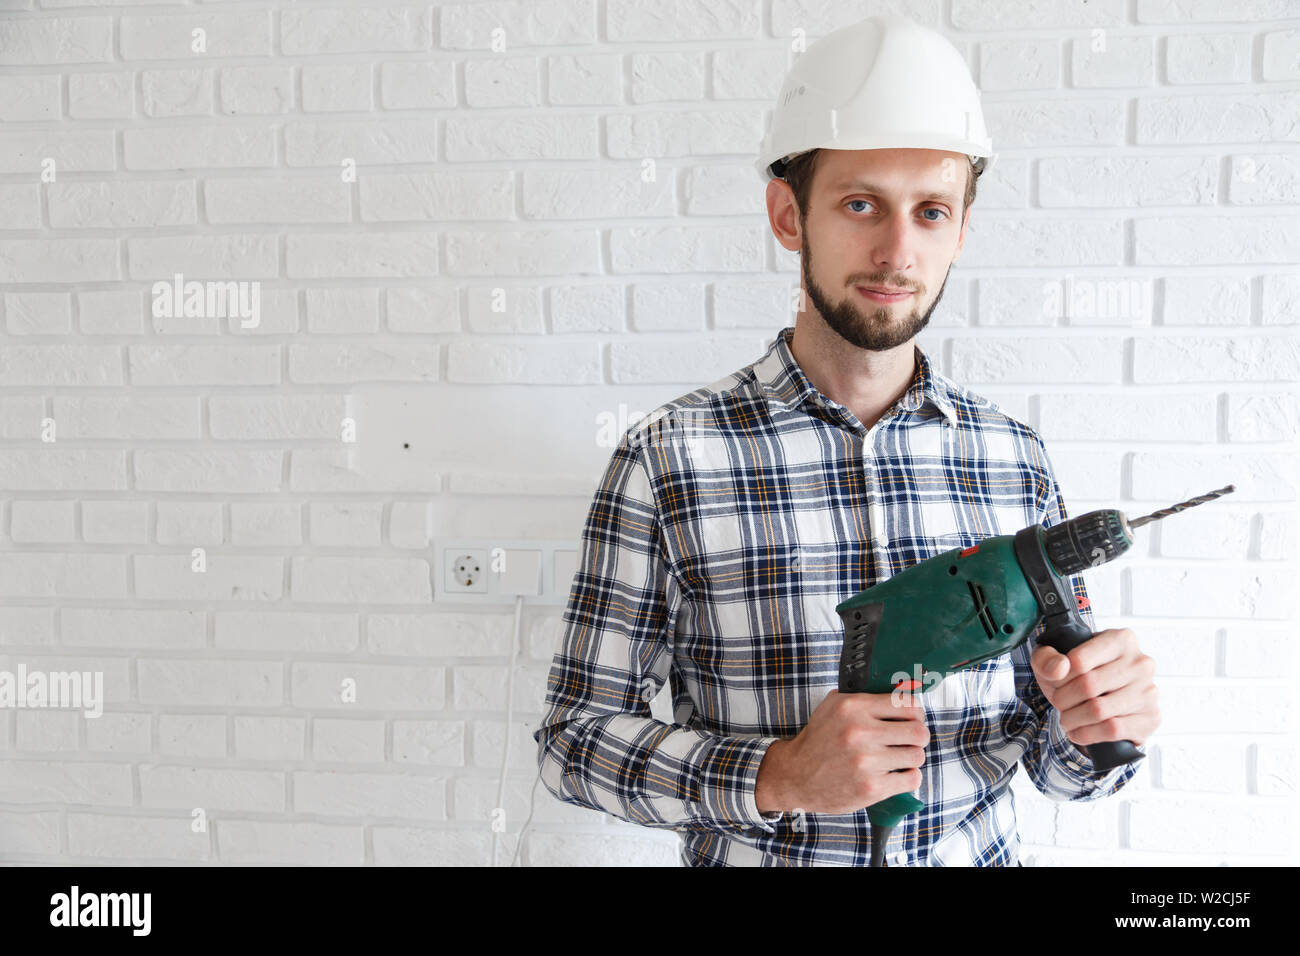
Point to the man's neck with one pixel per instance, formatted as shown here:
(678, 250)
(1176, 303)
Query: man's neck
(867, 383)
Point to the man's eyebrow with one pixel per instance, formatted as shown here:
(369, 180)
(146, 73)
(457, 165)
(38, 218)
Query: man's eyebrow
(862, 185)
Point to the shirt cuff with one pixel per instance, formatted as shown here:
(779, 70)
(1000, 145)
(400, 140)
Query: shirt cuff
(1071, 756)
(729, 775)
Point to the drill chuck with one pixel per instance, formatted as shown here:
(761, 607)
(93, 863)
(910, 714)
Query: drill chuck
(1087, 541)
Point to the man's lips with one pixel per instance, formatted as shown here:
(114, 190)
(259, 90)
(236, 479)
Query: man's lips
(879, 294)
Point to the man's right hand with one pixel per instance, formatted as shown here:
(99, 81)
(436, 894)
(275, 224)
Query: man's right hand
(845, 758)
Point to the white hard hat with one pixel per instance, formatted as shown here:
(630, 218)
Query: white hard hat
(885, 82)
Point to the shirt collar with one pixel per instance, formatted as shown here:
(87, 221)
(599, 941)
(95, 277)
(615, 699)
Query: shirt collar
(783, 382)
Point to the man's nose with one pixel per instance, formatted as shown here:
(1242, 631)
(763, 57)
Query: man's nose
(892, 247)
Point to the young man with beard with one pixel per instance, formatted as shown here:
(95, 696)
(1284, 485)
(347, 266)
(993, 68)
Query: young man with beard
(732, 521)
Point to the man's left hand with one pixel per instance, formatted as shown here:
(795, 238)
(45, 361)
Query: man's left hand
(1103, 688)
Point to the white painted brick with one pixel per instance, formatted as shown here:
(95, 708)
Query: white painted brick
(1263, 826)
(673, 249)
(1206, 300)
(116, 205)
(354, 580)
(20, 204)
(666, 77)
(45, 730)
(477, 797)
(1281, 299)
(1278, 535)
(378, 686)
(58, 260)
(744, 74)
(516, 23)
(348, 740)
(627, 20)
(499, 81)
(319, 632)
(265, 523)
(204, 364)
(384, 795)
(682, 133)
(169, 37)
(680, 360)
(1263, 476)
(101, 95)
(72, 151)
(752, 305)
(1136, 418)
(35, 833)
(1281, 55)
(668, 307)
(119, 733)
(535, 252)
(1005, 186)
(1221, 535)
(408, 846)
(1074, 360)
(1208, 58)
(38, 313)
(336, 87)
(372, 142)
(346, 524)
(429, 742)
(245, 842)
(417, 85)
(1029, 64)
(1259, 652)
(176, 93)
(362, 255)
(1275, 769)
(111, 313)
(1200, 11)
(49, 574)
(1216, 240)
(213, 683)
(27, 625)
(422, 310)
(296, 199)
(1263, 417)
(195, 735)
(89, 783)
(317, 364)
(243, 257)
(103, 836)
(1221, 118)
(1088, 824)
(1021, 242)
(597, 193)
(1186, 650)
(343, 30)
(189, 523)
(591, 79)
(522, 138)
(1043, 14)
(42, 42)
(410, 525)
(584, 849)
(200, 147)
(29, 98)
(114, 521)
(1112, 60)
(411, 197)
(42, 520)
(290, 416)
(1203, 765)
(1225, 709)
(542, 363)
(489, 744)
(132, 627)
(439, 635)
(505, 310)
(718, 190)
(1264, 178)
(587, 308)
(1018, 124)
(346, 311)
(1127, 181)
(270, 738)
(1192, 359)
(256, 90)
(202, 470)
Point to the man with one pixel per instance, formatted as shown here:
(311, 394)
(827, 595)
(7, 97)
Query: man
(732, 521)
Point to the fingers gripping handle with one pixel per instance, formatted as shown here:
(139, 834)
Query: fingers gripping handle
(1063, 634)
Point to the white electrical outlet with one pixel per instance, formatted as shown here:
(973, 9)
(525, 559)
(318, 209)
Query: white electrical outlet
(465, 571)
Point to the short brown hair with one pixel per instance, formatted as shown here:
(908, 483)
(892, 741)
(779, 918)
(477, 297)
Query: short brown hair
(799, 172)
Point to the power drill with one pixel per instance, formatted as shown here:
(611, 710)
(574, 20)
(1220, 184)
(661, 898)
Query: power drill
(969, 605)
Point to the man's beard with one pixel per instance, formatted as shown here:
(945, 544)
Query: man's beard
(867, 326)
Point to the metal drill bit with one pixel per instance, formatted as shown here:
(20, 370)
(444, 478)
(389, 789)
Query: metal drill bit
(1181, 506)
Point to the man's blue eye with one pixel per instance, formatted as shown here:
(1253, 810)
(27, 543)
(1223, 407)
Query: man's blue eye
(852, 201)
(934, 209)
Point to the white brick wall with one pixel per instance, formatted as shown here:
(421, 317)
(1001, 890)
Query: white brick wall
(392, 175)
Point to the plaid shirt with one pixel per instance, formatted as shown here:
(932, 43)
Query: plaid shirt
(728, 525)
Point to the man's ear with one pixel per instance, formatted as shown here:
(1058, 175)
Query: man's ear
(783, 215)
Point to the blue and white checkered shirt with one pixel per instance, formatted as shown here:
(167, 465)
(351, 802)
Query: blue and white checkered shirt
(728, 525)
